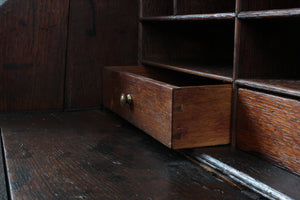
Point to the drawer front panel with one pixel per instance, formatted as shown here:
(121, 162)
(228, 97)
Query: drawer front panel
(151, 108)
(270, 125)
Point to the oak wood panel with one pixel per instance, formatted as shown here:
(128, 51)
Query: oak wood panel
(102, 32)
(32, 55)
(205, 6)
(268, 4)
(201, 116)
(151, 110)
(269, 125)
(96, 155)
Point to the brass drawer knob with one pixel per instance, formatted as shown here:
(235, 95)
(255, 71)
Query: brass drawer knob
(129, 99)
(125, 99)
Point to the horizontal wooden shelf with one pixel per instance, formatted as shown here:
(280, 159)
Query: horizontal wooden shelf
(286, 87)
(193, 17)
(281, 13)
(218, 72)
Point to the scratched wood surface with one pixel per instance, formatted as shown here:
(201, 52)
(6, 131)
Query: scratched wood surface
(269, 126)
(32, 55)
(101, 32)
(96, 155)
(3, 191)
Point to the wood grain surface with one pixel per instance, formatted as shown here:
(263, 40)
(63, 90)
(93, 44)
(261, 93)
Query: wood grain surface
(201, 116)
(157, 7)
(180, 110)
(268, 4)
(269, 125)
(205, 6)
(151, 110)
(32, 55)
(3, 186)
(259, 169)
(101, 32)
(96, 155)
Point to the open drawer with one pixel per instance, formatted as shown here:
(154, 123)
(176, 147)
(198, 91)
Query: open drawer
(179, 110)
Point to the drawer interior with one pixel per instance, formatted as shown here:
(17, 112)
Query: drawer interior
(171, 77)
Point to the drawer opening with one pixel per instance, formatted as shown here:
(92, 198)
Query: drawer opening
(171, 77)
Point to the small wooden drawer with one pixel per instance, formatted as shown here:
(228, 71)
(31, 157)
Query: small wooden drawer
(179, 110)
(269, 125)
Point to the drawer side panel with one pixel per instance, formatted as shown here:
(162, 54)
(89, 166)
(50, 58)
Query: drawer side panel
(202, 116)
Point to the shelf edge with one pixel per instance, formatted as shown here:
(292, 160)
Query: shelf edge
(180, 69)
(268, 87)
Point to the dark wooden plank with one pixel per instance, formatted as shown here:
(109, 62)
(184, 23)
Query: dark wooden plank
(218, 16)
(281, 182)
(3, 187)
(284, 13)
(205, 6)
(102, 32)
(269, 125)
(95, 155)
(32, 56)
(218, 72)
(286, 87)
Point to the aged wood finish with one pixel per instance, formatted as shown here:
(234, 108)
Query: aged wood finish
(152, 107)
(282, 182)
(218, 16)
(157, 7)
(205, 6)
(218, 72)
(3, 186)
(287, 13)
(102, 32)
(269, 49)
(196, 44)
(32, 55)
(95, 155)
(269, 125)
(171, 106)
(201, 116)
(285, 87)
(268, 4)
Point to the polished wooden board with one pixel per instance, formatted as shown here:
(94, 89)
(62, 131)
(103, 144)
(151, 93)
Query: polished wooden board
(33, 39)
(101, 32)
(3, 191)
(96, 155)
(269, 125)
